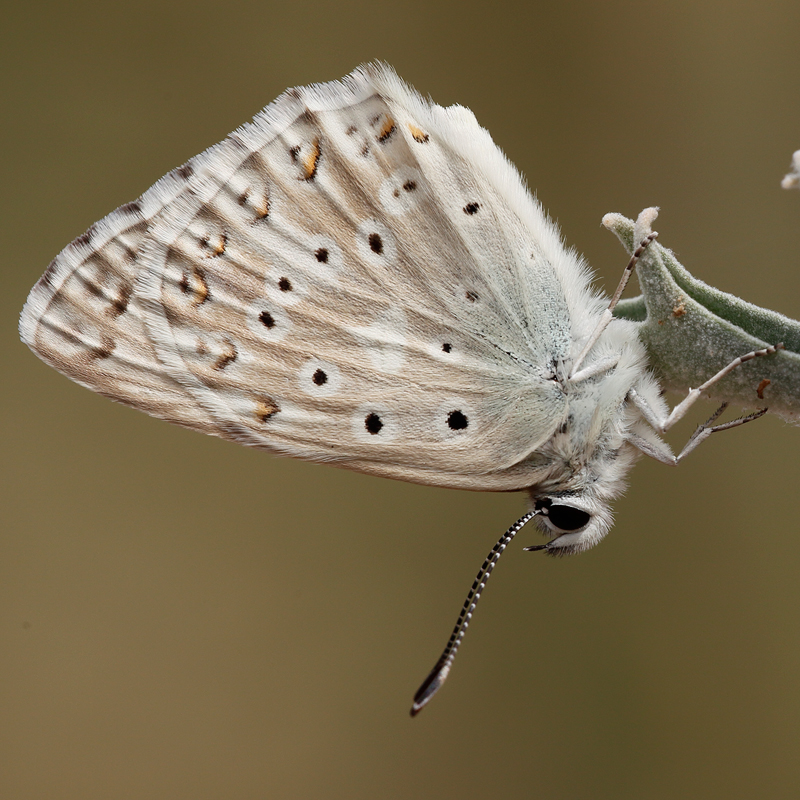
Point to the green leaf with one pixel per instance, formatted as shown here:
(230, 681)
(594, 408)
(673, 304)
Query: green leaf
(692, 330)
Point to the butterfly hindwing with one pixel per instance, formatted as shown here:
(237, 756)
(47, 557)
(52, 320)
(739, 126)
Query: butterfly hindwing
(83, 316)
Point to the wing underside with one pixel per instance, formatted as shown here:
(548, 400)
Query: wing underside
(339, 280)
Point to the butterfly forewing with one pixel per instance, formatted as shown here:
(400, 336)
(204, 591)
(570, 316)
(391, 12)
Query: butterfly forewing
(335, 281)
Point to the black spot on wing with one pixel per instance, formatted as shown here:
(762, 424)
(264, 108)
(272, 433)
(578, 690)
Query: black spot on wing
(457, 420)
(372, 423)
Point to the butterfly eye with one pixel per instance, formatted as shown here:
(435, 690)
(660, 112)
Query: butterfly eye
(568, 518)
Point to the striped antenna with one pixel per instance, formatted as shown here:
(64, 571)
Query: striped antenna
(439, 673)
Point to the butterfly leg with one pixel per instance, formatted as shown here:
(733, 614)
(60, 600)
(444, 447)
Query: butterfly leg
(663, 424)
(706, 429)
(608, 314)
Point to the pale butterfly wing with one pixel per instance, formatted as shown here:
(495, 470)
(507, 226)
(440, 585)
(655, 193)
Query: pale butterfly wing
(358, 277)
(84, 319)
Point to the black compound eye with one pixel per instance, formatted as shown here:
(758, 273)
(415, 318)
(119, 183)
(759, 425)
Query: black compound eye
(568, 518)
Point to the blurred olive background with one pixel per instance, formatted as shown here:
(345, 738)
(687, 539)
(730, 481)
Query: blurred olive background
(181, 617)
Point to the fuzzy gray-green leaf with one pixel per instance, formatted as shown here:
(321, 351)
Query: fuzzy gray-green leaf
(692, 330)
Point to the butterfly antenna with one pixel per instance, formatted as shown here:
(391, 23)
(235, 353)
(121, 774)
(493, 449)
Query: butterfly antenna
(439, 673)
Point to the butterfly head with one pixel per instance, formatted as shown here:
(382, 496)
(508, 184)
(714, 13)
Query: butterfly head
(574, 522)
(574, 505)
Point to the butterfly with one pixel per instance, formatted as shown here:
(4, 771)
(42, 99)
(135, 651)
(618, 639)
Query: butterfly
(359, 276)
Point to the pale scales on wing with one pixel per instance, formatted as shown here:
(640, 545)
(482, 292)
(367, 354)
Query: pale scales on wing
(335, 281)
(83, 318)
